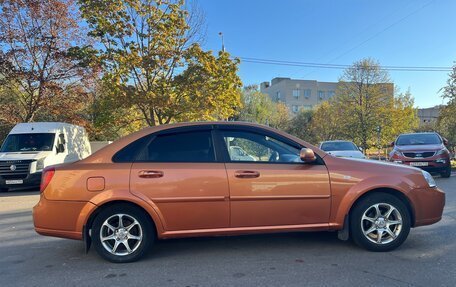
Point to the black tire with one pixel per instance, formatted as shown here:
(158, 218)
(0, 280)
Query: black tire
(142, 228)
(446, 173)
(388, 242)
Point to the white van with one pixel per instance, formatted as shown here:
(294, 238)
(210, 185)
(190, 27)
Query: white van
(30, 147)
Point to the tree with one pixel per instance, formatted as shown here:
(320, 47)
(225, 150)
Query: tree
(37, 72)
(259, 108)
(327, 122)
(256, 107)
(153, 63)
(301, 126)
(447, 119)
(108, 118)
(280, 116)
(402, 118)
(364, 97)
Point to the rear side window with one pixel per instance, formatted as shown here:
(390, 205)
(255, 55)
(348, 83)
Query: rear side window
(180, 147)
(131, 151)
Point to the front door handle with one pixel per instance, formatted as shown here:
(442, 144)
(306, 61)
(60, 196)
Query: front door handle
(246, 174)
(150, 173)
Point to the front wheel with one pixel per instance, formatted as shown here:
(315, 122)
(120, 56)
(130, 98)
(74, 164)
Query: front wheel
(122, 233)
(380, 222)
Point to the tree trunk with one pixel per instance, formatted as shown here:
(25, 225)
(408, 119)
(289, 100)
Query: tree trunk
(151, 119)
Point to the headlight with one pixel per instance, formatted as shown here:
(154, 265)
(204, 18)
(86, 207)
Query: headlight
(40, 164)
(396, 154)
(443, 151)
(428, 177)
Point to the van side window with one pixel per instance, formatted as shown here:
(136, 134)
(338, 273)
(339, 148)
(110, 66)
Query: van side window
(62, 139)
(196, 146)
(61, 143)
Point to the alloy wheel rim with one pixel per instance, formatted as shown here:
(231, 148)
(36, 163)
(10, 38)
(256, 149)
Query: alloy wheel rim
(381, 223)
(121, 234)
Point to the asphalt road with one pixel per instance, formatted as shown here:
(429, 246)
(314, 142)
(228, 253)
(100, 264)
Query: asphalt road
(427, 258)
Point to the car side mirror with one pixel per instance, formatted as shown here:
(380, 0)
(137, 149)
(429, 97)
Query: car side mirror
(360, 149)
(445, 141)
(392, 144)
(307, 155)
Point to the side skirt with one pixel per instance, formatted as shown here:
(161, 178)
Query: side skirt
(245, 230)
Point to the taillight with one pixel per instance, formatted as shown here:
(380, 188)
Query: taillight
(46, 177)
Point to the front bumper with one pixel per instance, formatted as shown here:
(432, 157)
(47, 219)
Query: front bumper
(31, 180)
(437, 163)
(431, 167)
(428, 204)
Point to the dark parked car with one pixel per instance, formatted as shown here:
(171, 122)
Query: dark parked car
(423, 150)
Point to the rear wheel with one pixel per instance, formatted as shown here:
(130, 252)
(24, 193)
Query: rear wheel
(446, 173)
(122, 233)
(380, 222)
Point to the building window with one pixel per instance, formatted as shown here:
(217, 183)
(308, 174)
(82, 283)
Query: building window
(321, 95)
(278, 96)
(331, 94)
(307, 93)
(307, 107)
(296, 93)
(295, 108)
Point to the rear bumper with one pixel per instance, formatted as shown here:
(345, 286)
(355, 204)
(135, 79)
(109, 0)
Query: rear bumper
(429, 204)
(60, 218)
(32, 180)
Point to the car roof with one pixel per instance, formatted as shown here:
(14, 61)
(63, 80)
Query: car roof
(336, 141)
(41, 127)
(420, 133)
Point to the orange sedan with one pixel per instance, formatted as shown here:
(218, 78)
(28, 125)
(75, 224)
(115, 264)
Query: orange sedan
(221, 178)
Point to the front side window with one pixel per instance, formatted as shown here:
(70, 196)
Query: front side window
(258, 148)
(28, 142)
(194, 146)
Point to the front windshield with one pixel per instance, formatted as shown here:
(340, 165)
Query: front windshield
(28, 142)
(336, 146)
(418, 139)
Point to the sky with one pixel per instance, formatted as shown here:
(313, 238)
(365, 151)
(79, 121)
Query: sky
(393, 32)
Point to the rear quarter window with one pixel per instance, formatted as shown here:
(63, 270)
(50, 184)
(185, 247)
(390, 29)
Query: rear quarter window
(131, 151)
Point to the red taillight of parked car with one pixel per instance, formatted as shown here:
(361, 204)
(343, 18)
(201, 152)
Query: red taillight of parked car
(46, 177)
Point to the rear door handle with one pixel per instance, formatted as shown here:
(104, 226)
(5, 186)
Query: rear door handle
(246, 174)
(150, 173)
